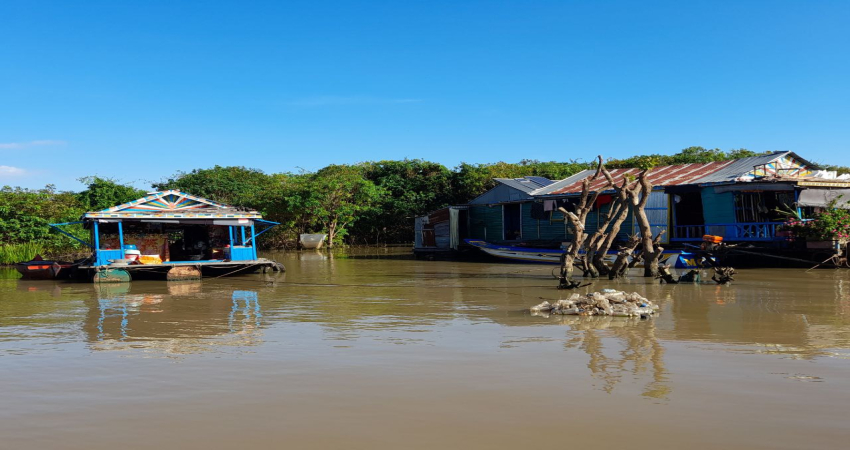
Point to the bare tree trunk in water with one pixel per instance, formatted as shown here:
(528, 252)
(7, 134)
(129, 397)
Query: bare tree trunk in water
(577, 220)
(607, 239)
(617, 214)
(593, 262)
(651, 249)
(621, 264)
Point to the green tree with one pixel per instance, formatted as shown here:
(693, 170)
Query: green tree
(411, 188)
(103, 193)
(232, 185)
(288, 202)
(338, 196)
(688, 155)
(26, 213)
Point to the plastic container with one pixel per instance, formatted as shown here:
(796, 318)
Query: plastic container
(150, 259)
(130, 247)
(132, 254)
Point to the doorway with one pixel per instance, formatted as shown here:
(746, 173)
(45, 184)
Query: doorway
(512, 221)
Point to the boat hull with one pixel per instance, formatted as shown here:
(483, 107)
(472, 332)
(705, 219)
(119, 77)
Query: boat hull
(43, 270)
(311, 241)
(677, 258)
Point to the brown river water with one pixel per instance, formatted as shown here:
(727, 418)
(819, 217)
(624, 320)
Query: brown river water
(375, 350)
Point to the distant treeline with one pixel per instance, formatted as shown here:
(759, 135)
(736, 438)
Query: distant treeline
(365, 203)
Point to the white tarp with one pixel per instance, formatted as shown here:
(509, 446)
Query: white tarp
(824, 198)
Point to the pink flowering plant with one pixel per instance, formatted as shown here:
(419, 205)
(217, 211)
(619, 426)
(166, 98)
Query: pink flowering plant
(830, 225)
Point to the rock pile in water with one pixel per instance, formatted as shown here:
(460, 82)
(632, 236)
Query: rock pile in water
(608, 302)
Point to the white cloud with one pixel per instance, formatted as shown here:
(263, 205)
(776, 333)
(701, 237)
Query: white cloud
(332, 100)
(11, 171)
(43, 142)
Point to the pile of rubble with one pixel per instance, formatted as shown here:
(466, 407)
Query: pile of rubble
(608, 302)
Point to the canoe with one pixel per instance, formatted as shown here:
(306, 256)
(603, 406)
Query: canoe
(677, 258)
(312, 240)
(39, 269)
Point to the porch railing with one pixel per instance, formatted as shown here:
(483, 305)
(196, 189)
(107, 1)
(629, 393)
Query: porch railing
(745, 231)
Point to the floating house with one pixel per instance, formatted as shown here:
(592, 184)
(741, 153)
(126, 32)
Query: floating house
(171, 234)
(742, 200)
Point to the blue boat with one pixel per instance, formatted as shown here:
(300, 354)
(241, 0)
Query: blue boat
(679, 259)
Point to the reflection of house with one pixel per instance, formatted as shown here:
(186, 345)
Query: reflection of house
(183, 320)
(741, 200)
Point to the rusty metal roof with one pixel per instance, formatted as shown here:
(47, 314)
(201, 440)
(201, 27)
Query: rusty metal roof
(675, 175)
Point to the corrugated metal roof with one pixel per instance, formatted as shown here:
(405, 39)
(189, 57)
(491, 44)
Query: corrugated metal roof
(526, 184)
(738, 168)
(557, 185)
(674, 175)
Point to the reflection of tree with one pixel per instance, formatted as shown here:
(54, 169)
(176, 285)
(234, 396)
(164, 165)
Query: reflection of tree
(641, 351)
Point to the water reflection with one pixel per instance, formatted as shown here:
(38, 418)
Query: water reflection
(179, 319)
(350, 301)
(617, 346)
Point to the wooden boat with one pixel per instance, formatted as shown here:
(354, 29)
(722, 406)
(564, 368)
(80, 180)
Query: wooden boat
(679, 259)
(39, 269)
(312, 240)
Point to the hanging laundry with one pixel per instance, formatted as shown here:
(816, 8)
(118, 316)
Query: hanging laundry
(603, 200)
(568, 204)
(548, 205)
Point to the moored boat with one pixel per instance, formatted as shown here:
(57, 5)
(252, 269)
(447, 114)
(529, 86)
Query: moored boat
(39, 269)
(312, 240)
(677, 258)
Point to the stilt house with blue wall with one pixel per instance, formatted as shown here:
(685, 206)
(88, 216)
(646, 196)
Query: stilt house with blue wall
(741, 200)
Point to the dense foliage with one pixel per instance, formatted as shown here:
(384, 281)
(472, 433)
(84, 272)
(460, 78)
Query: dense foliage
(26, 213)
(367, 203)
(829, 225)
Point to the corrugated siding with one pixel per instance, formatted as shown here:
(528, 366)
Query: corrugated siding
(529, 225)
(657, 212)
(554, 230)
(718, 208)
(483, 218)
(596, 217)
(499, 194)
(442, 234)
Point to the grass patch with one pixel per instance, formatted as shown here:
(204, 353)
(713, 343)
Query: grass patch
(15, 253)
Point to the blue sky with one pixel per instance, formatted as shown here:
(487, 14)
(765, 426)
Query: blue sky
(140, 90)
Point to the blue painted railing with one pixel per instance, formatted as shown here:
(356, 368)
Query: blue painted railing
(745, 231)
